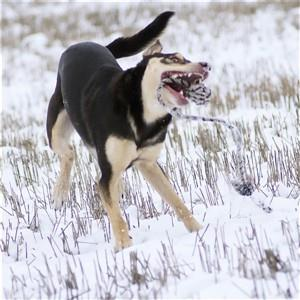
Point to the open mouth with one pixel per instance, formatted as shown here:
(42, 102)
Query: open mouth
(186, 86)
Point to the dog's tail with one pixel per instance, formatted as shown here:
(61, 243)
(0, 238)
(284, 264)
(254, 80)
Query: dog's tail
(122, 47)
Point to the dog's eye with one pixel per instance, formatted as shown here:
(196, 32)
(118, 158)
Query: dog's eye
(167, 60)
(172, 60)
(175, 59)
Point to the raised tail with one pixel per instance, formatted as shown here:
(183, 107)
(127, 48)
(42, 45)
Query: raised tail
(122, 47)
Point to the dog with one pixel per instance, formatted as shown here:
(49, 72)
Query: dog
(118, 117)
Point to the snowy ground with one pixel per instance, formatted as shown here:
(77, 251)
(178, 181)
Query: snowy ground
(243, 251)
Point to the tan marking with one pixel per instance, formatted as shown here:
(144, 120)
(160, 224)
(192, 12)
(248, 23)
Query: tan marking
(152, 172)
(119, 226)
(154, 48)
(120, 153)
(132, 125)
(150, 82)
(61, 133)
(150, 153)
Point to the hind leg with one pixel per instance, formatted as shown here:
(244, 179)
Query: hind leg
(61, 133)
(119, 153)
(59, 130)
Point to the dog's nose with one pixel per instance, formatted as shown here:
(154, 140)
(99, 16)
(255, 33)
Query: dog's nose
(205, 65)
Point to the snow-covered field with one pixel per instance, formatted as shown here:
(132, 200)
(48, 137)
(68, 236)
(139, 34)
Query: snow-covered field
(243, 251)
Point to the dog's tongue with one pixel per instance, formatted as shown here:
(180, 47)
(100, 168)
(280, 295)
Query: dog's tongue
(180, 98)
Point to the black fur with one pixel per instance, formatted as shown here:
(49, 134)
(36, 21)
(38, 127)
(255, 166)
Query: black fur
(55, 107)
(98, 95)
(123, 47)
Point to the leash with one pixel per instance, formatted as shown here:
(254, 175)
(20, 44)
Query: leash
(241, 183)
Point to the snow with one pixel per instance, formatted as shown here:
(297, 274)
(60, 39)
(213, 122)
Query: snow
(48, 254)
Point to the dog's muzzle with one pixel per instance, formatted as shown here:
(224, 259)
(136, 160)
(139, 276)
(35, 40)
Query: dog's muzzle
(187, 86)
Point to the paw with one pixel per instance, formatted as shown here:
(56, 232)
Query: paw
(59, 197)
(191, 224)
(123, 243)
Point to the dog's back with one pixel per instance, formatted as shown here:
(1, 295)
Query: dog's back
(78, 66)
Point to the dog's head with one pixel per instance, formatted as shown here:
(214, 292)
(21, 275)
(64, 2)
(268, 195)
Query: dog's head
(175, 71)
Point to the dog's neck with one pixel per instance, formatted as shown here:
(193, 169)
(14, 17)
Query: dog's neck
(152, 109)
(147, 117)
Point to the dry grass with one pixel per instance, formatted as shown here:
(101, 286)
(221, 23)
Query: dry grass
(198, 156)
(104, 23)
(33, 171)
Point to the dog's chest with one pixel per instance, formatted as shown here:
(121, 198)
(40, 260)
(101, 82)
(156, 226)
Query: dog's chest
(122, 153)
(150, 153)
(146, 135)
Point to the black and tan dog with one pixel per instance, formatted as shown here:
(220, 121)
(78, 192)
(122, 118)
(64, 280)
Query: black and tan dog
(117, 115)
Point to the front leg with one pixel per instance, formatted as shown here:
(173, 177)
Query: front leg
(110, 198)
(113, 161)
(153, 173)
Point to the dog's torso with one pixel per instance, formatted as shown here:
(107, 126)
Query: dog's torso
(85, 70)
(103, 101)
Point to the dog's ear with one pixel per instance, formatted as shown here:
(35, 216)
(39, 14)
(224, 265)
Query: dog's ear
(155, 48)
